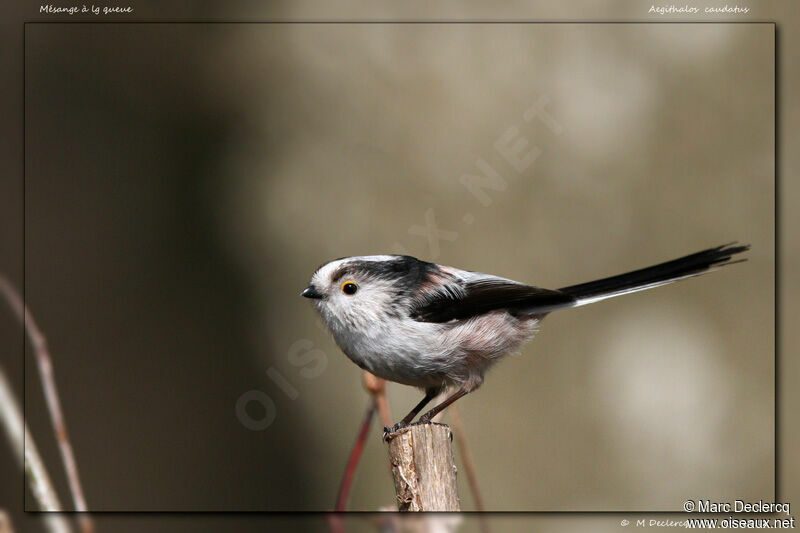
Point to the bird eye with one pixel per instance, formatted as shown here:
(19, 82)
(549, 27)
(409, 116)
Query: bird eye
(349, 288)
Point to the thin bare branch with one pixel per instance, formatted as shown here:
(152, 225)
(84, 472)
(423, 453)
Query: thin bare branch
(355, 457)
(466, 458)
(27, 455)
(45, 365)
(336, 520)
(377, 388)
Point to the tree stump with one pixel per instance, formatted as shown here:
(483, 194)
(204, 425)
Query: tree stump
(423, 468)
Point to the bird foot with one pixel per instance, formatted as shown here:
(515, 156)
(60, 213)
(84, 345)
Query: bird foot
(389, 431)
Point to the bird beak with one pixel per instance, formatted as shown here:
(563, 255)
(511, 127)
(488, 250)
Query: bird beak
(311, 292)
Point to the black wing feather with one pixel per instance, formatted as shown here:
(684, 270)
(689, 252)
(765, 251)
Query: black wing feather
(459, 300)
(482, 296)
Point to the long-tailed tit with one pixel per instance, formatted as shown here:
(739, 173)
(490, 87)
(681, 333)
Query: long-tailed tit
(434, 326)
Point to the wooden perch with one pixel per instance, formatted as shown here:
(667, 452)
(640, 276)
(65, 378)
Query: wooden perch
(423, 468)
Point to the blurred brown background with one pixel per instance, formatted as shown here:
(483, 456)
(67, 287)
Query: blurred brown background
(183, 181)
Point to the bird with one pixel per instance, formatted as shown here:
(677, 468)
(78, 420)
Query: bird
(437, 327)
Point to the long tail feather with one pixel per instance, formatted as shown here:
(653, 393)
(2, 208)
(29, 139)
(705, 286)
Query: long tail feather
(661, 274)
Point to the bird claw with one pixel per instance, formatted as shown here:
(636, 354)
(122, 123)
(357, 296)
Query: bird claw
(388, 431)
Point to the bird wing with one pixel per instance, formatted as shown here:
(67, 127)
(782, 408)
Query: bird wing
(463, 297)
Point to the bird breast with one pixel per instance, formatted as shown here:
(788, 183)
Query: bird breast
(426, 354)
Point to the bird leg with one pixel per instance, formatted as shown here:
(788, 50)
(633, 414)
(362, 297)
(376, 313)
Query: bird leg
(427, 417)
(430, 394)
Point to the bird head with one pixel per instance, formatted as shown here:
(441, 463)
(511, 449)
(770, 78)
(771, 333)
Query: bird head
(353, 289)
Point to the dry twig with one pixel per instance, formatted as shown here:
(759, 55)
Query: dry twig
(336, 521)
(469, 465)
(45, 365)
(466, 457)
(27, 455)
(423, 468)
(355, 456)
(377, 388)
